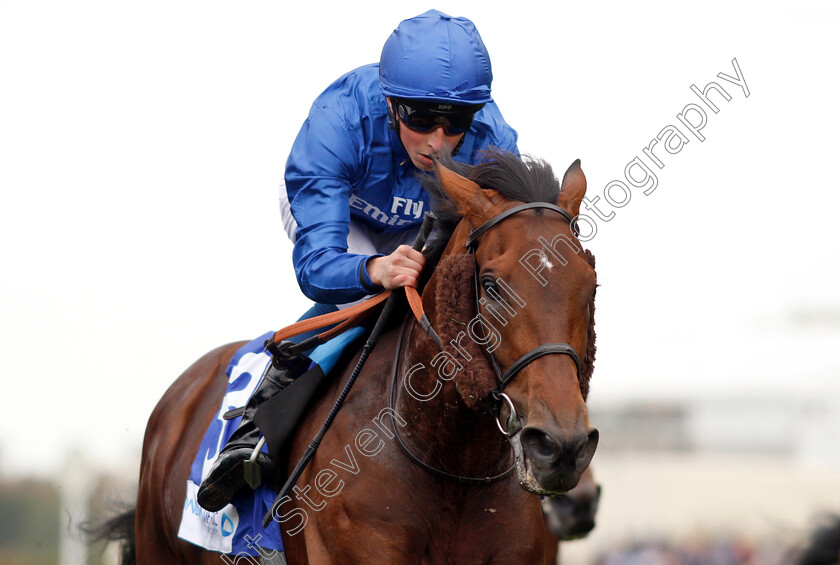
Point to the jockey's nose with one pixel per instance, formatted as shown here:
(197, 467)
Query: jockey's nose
(435, 139)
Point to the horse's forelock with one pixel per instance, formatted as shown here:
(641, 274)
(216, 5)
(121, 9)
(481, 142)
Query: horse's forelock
(517, 178)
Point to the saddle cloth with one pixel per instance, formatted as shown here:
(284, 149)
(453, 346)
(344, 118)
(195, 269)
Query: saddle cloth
(237, 528)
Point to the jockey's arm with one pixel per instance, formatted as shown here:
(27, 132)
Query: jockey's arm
(400, 268)
(324, 158)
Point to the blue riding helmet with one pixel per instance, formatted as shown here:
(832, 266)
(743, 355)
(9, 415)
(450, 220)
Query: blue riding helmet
(435, 56)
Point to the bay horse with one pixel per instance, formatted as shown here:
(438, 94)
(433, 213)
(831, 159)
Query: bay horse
(416, 468)
(823, 545)
(571, 516)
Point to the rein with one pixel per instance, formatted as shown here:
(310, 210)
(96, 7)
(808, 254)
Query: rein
(280, 349)
(514, 424)
(392, 404)
(425, 229)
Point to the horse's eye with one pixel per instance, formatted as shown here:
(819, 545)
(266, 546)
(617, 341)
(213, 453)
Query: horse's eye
(489, 283)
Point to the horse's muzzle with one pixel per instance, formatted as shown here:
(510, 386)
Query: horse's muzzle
(557, 463)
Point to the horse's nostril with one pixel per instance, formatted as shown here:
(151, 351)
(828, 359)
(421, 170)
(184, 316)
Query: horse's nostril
(538, 443)
(584, 456)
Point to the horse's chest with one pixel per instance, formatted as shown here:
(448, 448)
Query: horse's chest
(478, 531)
(410, 526)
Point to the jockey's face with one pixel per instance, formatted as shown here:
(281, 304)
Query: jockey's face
(422, 146)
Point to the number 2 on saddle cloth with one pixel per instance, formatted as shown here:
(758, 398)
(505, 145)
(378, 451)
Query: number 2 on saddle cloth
(237, 519)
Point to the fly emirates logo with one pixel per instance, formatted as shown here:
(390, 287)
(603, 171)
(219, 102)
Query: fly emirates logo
(400, 208)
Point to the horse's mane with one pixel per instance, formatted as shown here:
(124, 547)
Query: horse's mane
(522, 179)
(527, 180)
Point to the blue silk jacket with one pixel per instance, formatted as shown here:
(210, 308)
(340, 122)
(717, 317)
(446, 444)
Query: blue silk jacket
(346, 162)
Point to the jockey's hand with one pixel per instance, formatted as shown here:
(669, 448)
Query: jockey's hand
(400, 268)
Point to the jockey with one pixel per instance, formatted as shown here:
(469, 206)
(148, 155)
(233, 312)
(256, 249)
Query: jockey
(352, 203)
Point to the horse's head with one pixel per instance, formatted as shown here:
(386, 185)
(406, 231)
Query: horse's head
(535, 294)
(571, 516)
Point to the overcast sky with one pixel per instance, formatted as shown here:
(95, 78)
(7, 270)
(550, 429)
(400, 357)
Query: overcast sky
(142, 143)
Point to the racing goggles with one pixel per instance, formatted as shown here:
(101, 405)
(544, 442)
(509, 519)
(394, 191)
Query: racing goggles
(424, 116)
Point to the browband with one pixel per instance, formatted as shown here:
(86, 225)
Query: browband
(476, 233)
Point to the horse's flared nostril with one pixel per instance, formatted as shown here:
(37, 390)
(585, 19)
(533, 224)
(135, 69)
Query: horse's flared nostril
(587, 450)
(557, 461)
(539, 445)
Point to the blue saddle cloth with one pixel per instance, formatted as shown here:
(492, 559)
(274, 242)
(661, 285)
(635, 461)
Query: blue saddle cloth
(237, 528)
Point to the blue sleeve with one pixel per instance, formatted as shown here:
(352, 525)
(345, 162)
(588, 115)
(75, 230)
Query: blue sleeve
(324, 159)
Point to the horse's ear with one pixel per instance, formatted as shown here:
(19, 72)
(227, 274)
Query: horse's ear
(474, 203)
(573, 189)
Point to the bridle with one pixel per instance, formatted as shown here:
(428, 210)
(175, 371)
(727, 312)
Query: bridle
(514, 424)
(392, 404)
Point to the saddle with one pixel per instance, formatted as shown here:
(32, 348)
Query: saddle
(235, 528)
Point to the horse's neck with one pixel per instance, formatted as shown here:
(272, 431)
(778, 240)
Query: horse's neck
(440, 428)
